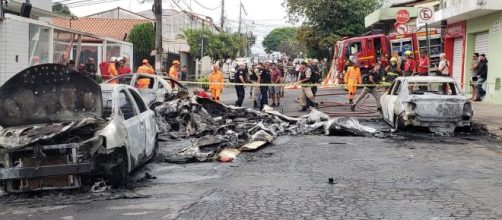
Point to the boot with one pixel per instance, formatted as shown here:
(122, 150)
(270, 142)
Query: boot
(304, 109)
(351, 102)
(353, 108)
(255, 104)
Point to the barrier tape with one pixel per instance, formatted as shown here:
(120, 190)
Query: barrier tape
(284, 84)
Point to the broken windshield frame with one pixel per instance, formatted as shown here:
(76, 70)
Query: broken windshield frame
(438, 88)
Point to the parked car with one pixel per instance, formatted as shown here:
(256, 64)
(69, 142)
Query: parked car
(60, 126)
(155, 89)
(435, 102)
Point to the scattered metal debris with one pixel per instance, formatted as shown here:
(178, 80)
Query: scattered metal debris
(220, 132)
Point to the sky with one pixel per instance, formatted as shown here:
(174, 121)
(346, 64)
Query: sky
(262, 15)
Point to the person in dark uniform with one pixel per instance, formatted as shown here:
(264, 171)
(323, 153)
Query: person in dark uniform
(265, 78)
(240, 77)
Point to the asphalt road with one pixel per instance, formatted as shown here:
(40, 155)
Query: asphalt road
(408, 175)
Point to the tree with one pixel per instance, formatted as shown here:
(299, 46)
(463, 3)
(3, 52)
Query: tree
(143, 38)
(61, 9)
(218, 46)
(273, 40)
(327, 20)
(283, 40)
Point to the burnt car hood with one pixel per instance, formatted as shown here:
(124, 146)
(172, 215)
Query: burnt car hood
(48, 93)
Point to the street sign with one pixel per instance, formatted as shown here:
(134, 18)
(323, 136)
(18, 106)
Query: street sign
(425, 16)
(402, 16)
(402, 28)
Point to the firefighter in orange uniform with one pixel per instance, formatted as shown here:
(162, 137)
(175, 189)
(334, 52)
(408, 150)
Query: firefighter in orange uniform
(146, 68)
(215, 78)
(175, 68)
(352, 78)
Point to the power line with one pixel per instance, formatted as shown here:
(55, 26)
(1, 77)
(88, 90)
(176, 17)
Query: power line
(88, 3)
(205, 7)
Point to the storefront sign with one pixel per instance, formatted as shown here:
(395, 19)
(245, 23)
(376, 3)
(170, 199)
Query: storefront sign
(455, 30)
(496, 27)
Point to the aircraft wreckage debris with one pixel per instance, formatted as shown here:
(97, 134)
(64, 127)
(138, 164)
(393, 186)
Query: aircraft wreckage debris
(221, 132)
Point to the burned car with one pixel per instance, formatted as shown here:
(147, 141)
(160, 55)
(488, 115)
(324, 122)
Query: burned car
(154, 88)
(60, 127)
(433, 101)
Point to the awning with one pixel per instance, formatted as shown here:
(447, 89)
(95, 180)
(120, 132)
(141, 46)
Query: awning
(387, 14)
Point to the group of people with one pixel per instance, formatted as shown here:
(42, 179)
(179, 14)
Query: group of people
(479, 74)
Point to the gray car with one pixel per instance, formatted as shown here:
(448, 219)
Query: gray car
(60, 127)
(434, 102)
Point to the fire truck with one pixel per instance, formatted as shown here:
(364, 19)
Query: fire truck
(371, 48)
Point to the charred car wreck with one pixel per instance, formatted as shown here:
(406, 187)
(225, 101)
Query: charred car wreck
(60, 127)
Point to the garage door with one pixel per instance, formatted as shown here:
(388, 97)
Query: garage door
(457, 60)
(481, 43)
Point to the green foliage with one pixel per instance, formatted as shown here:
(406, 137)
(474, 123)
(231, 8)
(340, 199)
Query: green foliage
(217, 45)
(327, 20)
(205, 82)
(143, 37)
(61, 9)
(273, 40)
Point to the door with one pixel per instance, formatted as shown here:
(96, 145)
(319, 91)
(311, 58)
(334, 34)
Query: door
(147, 123)
(456, 65)
(134, 126)
(391, 100)
(384, 100)
(481, 43)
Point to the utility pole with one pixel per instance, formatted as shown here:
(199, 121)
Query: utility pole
(241, 8)
(157, 9)
(222, 15)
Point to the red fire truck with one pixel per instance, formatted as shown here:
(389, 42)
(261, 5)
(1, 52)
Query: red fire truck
(370, 49)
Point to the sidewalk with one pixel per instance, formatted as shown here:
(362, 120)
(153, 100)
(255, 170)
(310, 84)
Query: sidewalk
(489, 117)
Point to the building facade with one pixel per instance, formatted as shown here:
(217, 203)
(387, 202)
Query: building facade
(473, 27)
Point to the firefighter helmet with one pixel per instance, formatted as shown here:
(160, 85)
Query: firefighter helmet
(408, 53)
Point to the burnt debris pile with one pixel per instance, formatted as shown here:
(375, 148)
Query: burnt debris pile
(219, 132)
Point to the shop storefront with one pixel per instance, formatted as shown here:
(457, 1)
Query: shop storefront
(454, 48)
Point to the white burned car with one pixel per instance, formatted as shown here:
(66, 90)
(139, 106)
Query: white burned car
(60, 127)
(435, 102)
(155, 89)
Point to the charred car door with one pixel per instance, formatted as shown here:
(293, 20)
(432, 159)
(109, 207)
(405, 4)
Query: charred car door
(135, 127)
(392, 99)
(147, 123)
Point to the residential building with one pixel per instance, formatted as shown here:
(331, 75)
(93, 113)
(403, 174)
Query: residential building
(117, 13)
(32, 39)
(473, 27)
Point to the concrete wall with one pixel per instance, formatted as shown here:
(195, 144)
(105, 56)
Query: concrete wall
(494, 54)
(14, 43)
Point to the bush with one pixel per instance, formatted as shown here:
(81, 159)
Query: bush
(205, 80)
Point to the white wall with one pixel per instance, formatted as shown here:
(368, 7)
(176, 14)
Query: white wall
(45, 5)
(14, 41)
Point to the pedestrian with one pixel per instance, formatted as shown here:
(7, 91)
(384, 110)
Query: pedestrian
(315, 78)
(370, 79)
(444, 66)
(81, 69)
(305, 75)
(112, 69)
(400, 60)
(145, 68)
(103, 68)
(240, 77)
(124, 67)
(482, 74)
(275, 90)
(90, 68)
(353, 78)
(174, 70)
(184, 73)
(474, 76)
(215, 83)
(410, 65)
(265, 78)
(423, 64)
(281, 80)
(256, 87)
(71, 64)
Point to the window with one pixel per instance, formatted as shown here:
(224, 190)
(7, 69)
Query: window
(144, 82)
(397, 88)
(125, 80)
(355, 48)
(39, 44)
(139, 101)
(439, 88)
(107, 104)
(125, 105)
(401, 46)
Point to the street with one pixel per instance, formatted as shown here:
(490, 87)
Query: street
(406, 175)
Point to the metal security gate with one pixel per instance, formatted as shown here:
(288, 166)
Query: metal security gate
(481, 43)
(456, 65)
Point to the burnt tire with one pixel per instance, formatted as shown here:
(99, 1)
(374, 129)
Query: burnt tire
(117, 173)
(398, 124)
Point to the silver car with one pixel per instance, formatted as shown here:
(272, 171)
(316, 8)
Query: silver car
(60, 127)
(435, 102)
(154, 88)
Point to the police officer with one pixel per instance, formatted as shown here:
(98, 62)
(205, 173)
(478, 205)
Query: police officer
(305, 77)
(370, 79)
(240, 77)
(265, 78)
